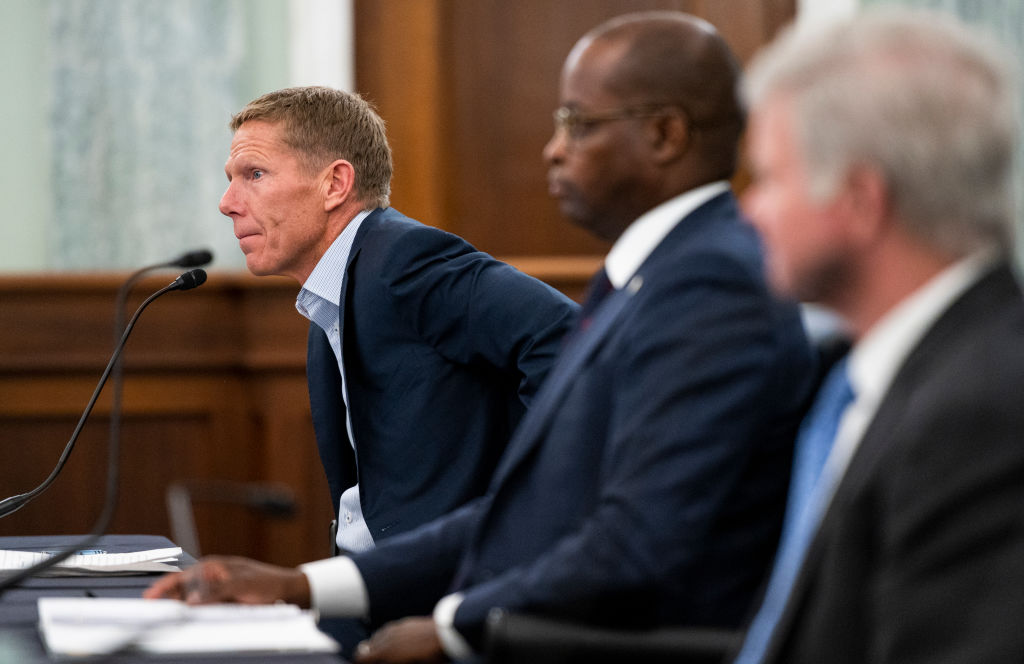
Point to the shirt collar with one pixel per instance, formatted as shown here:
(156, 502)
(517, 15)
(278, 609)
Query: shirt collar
(641, 237)
(875, 360)
(324, 281)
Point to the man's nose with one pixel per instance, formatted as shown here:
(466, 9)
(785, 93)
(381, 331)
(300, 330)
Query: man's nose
(229, 202)
(554, 151)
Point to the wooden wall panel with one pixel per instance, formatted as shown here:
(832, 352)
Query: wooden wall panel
(214, 392)
(398, 46)
(467, 89)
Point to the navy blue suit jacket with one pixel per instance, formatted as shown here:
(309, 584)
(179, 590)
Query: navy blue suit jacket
(646, 484)
(443, 349)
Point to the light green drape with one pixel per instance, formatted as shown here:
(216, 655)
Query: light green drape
(114, 129)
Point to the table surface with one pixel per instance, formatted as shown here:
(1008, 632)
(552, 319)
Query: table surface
(19, 635)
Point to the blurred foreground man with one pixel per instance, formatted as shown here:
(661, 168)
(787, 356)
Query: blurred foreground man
(646, 484)
(882, 151)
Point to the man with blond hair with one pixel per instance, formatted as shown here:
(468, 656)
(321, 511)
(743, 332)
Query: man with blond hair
(423, 352)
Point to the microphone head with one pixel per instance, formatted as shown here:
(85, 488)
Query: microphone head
(197, 258)
(189, 280)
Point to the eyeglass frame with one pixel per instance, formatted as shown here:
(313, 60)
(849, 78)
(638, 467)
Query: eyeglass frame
(575, 123)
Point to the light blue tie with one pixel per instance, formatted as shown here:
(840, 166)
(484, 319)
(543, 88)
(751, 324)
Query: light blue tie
(803, 509)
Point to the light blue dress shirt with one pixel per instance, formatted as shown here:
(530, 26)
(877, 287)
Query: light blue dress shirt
(319, 302)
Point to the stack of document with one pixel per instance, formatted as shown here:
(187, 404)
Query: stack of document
(83, 627)
(96, 564)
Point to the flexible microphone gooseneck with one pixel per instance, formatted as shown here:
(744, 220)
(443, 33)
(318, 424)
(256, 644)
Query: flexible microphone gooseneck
(186, 281)
(189, 259)
(195, 258)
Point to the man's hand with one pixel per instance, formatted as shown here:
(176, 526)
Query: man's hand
(402, 642)
(231, 579)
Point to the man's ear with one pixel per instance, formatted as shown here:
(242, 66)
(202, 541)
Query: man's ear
(670, 135)
(868, 203)
(339, 184)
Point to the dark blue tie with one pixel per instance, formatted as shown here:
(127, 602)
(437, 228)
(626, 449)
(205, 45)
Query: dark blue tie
(808, 493)
(598, 289)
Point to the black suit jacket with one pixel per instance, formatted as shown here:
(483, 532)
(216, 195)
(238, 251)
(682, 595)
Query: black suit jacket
(646, 484)
(443, 349)
(920, 557)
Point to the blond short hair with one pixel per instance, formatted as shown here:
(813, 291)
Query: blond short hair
(323, 124)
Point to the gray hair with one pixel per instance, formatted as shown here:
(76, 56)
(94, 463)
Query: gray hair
(917, 95)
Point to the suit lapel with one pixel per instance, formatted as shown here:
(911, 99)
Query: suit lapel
(328, 413)
(665, 256)
(357, 243)
(967, 311)
(350, 268)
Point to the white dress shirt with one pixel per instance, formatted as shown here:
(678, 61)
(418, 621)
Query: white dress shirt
(641, 237)
(876, 358)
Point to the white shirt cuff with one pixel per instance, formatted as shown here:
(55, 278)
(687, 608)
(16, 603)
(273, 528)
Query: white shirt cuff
(337, 588)
(444, 616)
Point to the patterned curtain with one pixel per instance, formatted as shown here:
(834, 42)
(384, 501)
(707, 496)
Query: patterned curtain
(140, 96)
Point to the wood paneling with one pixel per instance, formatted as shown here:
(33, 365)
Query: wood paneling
(399, 45)
(214, 391)
(467, 88)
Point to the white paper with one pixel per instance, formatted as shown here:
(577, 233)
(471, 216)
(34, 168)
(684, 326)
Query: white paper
(86, 626)
(96, 564)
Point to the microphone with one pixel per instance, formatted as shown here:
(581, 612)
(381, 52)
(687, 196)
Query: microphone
(194, 258)
(276, 501)
(189, 280)
(16, 502)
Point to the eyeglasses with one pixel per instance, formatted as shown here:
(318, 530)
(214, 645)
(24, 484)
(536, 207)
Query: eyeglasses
(577, 124)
